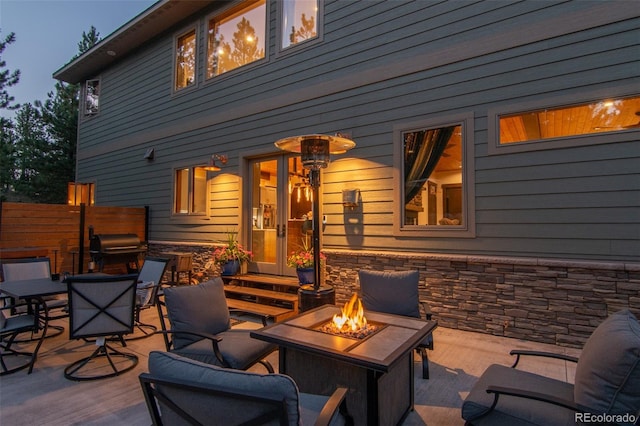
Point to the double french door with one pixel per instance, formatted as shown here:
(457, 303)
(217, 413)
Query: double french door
(280, 202)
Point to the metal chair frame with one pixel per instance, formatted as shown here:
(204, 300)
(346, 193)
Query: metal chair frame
(104, 350)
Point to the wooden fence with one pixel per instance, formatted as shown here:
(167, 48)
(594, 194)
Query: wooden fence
(61, 232)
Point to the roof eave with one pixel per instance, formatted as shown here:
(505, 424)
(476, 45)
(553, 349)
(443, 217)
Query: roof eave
(155, 20)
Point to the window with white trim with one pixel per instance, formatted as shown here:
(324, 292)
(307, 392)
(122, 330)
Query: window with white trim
(236, 38)
(190, 191)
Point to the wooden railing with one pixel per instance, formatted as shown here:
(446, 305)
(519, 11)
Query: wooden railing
(61, 232)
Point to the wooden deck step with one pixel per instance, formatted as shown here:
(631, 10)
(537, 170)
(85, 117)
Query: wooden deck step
(261, 293)
(278, 314)
(290, 283)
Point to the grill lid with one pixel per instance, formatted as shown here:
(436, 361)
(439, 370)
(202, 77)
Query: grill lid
(102, 243)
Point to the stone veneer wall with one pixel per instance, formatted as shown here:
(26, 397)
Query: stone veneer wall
(202, 269)
(544, 300)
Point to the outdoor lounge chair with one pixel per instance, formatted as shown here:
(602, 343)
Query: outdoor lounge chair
(201, 328)
(396, 292)
(101, 307)
(607, 381)
(28, 269)
(182, 391)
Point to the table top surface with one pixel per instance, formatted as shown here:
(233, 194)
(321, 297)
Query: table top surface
(32, 288)
(396, 335)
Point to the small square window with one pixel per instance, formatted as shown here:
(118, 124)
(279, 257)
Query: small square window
(190, 191)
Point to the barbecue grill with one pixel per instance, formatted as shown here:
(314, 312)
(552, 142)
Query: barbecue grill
(116, 248)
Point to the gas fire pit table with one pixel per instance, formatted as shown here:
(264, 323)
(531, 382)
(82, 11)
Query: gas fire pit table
(377, 369)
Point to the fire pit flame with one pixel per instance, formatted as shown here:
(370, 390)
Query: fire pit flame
(351, 322)
(352, 317)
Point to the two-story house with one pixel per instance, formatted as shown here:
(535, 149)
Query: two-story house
(497, 144)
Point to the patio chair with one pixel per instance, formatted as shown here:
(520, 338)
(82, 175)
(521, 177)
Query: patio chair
(396, 292)
(181, 391)
(28, 269)
(10, 328)
(149, 282)
(607, 381)
(201, 328)
(101, 307)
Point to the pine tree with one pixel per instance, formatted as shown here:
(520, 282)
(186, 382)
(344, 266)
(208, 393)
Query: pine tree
(7, 78)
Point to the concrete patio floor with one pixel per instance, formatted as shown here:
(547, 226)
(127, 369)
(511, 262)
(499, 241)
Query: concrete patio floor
(45, 397)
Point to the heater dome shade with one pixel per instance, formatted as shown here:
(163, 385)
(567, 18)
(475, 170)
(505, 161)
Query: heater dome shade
(337, 144)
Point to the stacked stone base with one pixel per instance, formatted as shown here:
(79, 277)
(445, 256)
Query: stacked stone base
(544, 300)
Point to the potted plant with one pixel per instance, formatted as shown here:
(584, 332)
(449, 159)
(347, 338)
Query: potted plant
(231, 256)
(302, 260)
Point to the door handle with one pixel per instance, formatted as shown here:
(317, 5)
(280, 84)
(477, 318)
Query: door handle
(281, 233)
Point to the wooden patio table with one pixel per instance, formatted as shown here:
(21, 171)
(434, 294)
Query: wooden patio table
(378, 369)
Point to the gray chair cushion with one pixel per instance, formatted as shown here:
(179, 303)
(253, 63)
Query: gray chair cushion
(607, 376)
(517, 411)
(239, 349)
(224, 411)
(394, 292)
(197, 308)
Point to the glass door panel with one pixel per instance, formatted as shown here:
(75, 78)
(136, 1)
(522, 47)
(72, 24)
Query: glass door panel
(280, 202)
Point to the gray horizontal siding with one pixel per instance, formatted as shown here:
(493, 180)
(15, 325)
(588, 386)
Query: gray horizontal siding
(381, 64)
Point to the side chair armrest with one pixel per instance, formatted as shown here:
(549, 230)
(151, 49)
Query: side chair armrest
(518, 353)
(542, 397)
(263, 318)
(427, 309)
(211, 337)
(521, 393)
(334, 404)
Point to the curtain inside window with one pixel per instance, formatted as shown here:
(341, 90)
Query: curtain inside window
(422, 151)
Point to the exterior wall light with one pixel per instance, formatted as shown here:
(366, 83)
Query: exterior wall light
(351, 198)
(212, 166)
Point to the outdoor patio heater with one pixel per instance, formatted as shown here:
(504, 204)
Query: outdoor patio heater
(315, 153)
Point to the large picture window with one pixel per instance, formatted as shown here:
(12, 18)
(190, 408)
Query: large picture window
(299, 21)
(436, 194)
(236, 39)
(190, 191)
(185, 69)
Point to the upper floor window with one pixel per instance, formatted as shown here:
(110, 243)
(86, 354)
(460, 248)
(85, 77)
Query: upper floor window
(190, 191)
(91, 97)
(436, 196)
(597, 117)
(299, 21)
(236, 39)
(185, 68)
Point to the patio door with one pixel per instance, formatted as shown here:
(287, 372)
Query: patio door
(280, 201)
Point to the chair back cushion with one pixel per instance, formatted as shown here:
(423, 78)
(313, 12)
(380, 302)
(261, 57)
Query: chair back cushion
(201, 307)
(607, 376)
(26, 269)
(393, 292)
(101, 305)
(221, 409)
